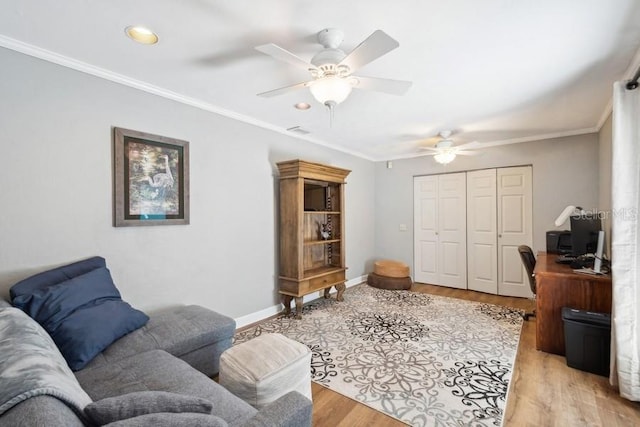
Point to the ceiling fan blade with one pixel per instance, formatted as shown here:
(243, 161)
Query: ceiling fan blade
(393, 87)
(372, 48)
(467, 153)
(472, 144)
(429, 149)
(284, 55)
(280, 91)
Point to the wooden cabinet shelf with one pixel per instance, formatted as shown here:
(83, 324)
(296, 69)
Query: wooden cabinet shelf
(317, 272)
(311, 230)
(322, 212)
(321, 242)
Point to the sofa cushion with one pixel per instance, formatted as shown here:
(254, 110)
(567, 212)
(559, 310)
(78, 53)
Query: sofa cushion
(157, 370)
(31, 365)
(83, 314)
(171, 419)
(180, 331)
(131, 405)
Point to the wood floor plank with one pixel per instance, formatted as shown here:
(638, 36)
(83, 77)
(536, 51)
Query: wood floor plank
(544, 391)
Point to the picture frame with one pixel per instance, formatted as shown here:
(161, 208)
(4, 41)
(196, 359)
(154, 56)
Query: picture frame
(151, 179)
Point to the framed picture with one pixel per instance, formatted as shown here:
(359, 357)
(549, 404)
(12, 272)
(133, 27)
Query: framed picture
(151, 179)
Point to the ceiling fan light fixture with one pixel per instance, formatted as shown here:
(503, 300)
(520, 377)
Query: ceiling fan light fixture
(330, 89)
(445, 157)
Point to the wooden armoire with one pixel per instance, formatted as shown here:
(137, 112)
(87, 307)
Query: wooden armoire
(312, 249)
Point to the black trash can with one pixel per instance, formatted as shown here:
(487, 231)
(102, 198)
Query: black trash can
(587, 340)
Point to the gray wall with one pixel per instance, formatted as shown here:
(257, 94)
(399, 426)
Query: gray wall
(565, 172)
(56, 192)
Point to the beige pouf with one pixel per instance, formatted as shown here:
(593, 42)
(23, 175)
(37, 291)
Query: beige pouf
(265, 368)
(390, 268)
(390, 274)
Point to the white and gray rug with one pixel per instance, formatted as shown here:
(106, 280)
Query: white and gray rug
(423, 359)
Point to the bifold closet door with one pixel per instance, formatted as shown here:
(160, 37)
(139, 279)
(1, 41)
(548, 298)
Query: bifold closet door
(515, 228)
(482, 232)
(425, 219)
(440, 252)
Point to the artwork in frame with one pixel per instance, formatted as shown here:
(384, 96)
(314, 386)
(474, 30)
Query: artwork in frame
(151, 179)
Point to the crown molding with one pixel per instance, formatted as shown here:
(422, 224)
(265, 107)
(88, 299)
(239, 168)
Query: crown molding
(84, 67)
(102, 73)
(583, 131)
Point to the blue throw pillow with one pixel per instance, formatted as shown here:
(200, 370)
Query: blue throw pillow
(52, 304)
(83, 315)
(87, 331)
(55, 276)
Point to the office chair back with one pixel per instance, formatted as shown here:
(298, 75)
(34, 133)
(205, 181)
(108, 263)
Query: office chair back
(529, 261)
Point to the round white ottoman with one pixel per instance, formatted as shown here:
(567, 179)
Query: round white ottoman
(265, 368)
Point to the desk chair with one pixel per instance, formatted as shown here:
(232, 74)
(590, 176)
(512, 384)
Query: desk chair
(529, 261)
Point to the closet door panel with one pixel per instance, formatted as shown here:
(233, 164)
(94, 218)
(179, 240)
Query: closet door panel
(425, 218)
(429, 260)
(452, 233)
(482, 234)
(515, 226)
(452, 268)
(484, 264)
(512, 273)
(440, 230)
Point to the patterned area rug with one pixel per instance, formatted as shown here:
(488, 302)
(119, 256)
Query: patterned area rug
(423, 359)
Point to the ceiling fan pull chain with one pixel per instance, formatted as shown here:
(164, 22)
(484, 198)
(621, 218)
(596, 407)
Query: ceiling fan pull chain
(331, 105)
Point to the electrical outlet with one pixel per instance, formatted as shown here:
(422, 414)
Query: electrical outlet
(403, 227)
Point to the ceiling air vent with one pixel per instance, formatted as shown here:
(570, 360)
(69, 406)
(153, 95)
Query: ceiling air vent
(298, 130)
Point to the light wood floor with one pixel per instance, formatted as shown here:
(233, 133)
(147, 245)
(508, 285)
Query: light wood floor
(544, 391)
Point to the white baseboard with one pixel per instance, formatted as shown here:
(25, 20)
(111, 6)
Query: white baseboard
(273, 310)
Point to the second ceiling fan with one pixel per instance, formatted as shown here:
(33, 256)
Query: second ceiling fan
(445, 152)
(331, 69)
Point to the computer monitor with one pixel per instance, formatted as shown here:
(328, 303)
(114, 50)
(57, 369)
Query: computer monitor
(584, 234)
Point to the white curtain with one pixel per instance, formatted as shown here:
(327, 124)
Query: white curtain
(625, 244)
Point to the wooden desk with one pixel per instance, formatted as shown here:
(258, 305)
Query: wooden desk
(557, 286)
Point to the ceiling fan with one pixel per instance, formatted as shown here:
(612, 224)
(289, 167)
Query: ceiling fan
(332, 69)
(445, 152)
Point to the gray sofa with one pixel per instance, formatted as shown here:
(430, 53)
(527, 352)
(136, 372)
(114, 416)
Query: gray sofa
(176, 352)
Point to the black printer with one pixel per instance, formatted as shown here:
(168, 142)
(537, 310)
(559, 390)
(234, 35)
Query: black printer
(559, 242)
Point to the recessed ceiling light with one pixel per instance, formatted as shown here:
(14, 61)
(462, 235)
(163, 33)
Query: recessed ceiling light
(141, 34)
(302, 106)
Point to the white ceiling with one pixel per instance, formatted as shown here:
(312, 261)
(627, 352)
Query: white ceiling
(495, 71)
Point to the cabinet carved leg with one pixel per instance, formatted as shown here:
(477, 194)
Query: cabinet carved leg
(286, 301)
(298, 308)
(326, 292)
(340, 288)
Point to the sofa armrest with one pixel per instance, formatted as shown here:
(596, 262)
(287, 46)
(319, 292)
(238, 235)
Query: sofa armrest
(290, 410)
(41, 411)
